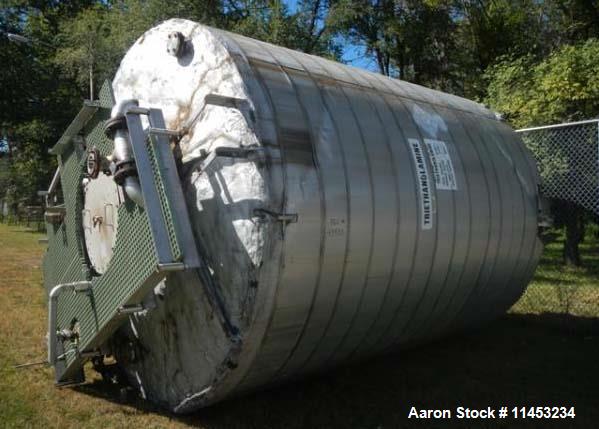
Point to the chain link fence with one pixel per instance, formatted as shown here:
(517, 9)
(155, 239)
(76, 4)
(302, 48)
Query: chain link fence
(568, 161)
(567, 156)
(30, 216)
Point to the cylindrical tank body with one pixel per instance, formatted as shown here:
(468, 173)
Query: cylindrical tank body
(374, 213)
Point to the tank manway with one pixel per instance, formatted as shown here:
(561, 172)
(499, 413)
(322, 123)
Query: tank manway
(236, 214)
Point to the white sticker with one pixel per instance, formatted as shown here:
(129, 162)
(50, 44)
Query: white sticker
(442, 165)
(426, 199)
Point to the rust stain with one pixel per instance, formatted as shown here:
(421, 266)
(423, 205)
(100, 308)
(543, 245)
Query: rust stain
(183, 113)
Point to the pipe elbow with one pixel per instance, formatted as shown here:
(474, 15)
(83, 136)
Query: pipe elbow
(133, 190)
(120, 108)
(122, 151)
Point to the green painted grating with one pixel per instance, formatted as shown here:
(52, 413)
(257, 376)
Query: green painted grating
(133, 267)
(164, 202)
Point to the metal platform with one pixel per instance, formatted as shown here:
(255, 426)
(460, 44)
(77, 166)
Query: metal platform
(86, 308)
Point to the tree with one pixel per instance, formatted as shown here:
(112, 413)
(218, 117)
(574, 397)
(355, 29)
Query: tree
(491, 29)
(425, 48)
(563, 87)
(570, 21)
(271, 21)
(83, 53)
(367, 23)
(30, 166)
(413, 40)
(29, 89)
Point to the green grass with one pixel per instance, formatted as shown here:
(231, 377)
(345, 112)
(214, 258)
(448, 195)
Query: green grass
(537, 358)
(560, 289)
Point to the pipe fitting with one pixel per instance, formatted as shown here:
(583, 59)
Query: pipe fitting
(52, 309)
(123, 152)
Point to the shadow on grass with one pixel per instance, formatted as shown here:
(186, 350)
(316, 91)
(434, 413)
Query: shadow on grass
(518, 360)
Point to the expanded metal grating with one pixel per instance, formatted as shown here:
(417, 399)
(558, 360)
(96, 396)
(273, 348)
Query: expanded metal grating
(133, 267)
(568, 160)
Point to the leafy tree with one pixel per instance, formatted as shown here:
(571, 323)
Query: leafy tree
(563, 87)
(410, 39)
(367, 23)
(570, 21)
(425, 51)
(534, 60)
(314, 35)
(30, 166)
(271, 21)
(29, 89)
(84, 53)
(491, 29)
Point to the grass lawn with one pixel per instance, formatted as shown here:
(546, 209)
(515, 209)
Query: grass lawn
(560, 289)
(531, 356)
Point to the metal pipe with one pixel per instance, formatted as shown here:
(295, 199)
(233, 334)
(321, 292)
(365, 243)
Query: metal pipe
(173, 266)
(565, 124)
(130, 309)
(133, 190)
(54, 182)
(52, 301)
(53, 185)
(122, 147)
(123, 152)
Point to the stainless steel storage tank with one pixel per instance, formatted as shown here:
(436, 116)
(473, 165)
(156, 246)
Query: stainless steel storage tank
(365, 213)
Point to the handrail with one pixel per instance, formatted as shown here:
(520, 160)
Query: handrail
(80, 286)
(565, 124)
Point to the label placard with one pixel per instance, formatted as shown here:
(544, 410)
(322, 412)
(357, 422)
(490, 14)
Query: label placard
(424, 190)
(442, 165)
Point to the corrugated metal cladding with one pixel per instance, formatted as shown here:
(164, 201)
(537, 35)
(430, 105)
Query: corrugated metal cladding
(416, 215)
(417, 210)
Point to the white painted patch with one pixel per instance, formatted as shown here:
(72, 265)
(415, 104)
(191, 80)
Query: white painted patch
(424, 189)
(430, 123)
(443, 171)
(221, 201)
(133, 328)
(247, 228)
(519, 175)
(203, 189)
(142, 391)
(189, 401)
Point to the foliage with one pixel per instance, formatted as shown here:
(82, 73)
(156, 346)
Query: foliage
(304, 30)
(366, 23)
(493, 29)
(532, 59)
(410, 39)
(85, 50)
(30, 167)
(32, 96)
(559, 88)
(4, 178)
